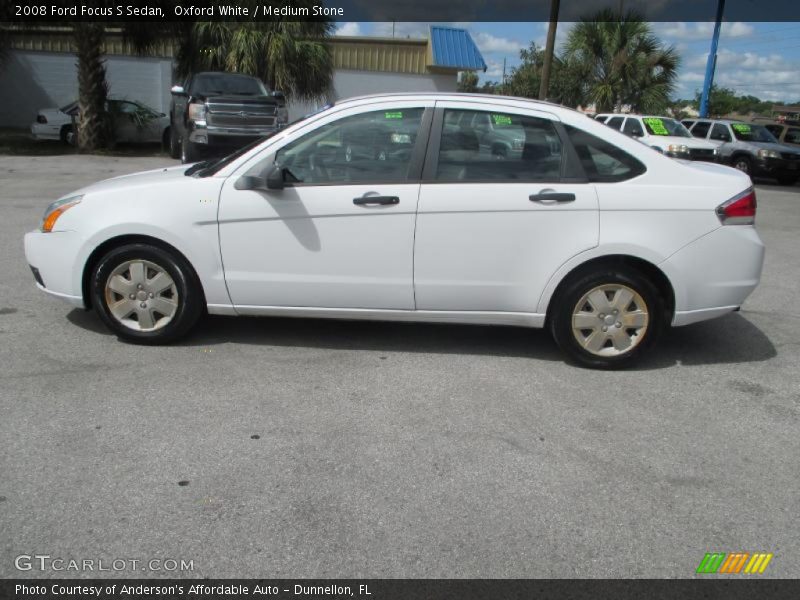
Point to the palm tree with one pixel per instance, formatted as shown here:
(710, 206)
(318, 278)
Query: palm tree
(621, 63)
(291, 56)
(93, 127)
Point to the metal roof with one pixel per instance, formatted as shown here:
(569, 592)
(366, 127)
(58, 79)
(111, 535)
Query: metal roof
(453, 48)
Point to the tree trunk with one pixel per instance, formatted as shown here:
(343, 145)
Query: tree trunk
(93, 130)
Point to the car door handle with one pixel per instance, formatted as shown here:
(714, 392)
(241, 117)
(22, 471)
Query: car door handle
(367, 200)
(548, 197)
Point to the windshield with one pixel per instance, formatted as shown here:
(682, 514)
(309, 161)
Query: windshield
(663, 126)
(207, 168)
(225, 83)
(747, 132)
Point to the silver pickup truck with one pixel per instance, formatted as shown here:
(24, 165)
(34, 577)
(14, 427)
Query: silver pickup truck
(214, 113)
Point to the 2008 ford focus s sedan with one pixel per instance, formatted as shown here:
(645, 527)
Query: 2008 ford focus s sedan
(418, 207)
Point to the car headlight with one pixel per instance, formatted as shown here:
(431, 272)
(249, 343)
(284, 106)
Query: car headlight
(768, 154)
(197, 112)
(715, 151)
(678, 148)
(56, 209)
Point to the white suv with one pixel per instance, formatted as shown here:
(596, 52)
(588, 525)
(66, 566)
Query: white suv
(662, 133)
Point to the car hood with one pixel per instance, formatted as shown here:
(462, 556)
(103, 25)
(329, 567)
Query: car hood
(767, 146)
(54, 115)
(666, 140)
(141, 179)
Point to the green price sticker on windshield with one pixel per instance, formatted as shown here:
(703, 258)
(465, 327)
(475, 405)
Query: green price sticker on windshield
(397, 114)
(501, 119)
(741, 127)
(657, 126)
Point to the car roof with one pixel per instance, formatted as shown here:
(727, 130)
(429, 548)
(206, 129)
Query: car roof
(491, 98)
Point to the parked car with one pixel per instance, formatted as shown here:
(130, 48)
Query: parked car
(605, 247)
(664, 134)
(751, 148)
(133, 122)
(215, 113)
(785, 133)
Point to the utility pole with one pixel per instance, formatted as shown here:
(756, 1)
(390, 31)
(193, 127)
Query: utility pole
(548, 51)
(711, 64)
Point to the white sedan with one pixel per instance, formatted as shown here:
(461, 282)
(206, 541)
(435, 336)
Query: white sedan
(387, 207)
(133, 123)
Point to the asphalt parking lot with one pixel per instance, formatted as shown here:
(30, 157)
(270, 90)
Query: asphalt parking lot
(334, 449)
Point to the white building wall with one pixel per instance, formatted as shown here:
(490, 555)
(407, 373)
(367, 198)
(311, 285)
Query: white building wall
(34, 80)
(30, 81)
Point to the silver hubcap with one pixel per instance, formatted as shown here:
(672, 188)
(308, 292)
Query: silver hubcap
(610, 320)
(742, 166)
(141, 295)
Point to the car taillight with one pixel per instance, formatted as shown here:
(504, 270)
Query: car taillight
(41, 119)
(739, 210)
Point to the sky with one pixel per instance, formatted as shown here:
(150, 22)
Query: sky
(759, 59)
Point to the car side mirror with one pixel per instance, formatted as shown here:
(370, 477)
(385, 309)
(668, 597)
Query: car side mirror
(274, 178)
(178, 90)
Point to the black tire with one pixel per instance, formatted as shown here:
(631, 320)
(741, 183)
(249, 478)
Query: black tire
(743, 164)
(787, 179)
(189, 299)
(571, 293)
(174, 143)
(66, 135)
(189, 151)
(499, 152)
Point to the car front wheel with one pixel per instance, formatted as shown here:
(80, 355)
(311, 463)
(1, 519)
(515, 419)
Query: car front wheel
(607, 319)
(189, 151)
(145, 294)
(744, 164)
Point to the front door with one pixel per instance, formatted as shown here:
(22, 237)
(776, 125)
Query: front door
(341, 233)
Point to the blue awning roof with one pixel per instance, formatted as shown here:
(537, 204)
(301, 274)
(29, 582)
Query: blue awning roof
(454, 48)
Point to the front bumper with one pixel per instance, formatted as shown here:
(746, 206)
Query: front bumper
(54, 258)
(777, 166)
(211, 135)
(716, 273)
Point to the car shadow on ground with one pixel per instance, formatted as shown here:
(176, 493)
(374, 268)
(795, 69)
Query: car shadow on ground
(728, 340)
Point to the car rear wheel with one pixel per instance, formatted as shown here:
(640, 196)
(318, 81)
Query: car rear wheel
(607, 319)
(67, 135)
(145, 294)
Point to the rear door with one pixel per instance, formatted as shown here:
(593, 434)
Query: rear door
(491, 230)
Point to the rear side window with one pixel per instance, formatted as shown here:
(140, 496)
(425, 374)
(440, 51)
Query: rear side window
(700, 129)
(615, 122)
(720, 133)
(792, 136)
(633, 128)
(775, 130)
(494, 146)
(603, 162)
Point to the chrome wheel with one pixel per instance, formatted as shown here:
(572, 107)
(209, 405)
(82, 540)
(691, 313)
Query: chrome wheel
(743, 165)
(141, 295)
(610, 320)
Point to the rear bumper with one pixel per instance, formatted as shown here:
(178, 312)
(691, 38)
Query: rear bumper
(716, 273)
(54, 258)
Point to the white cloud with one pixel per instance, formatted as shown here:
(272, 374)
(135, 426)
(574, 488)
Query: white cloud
(488, 43)
(349, 29)
(701, 30)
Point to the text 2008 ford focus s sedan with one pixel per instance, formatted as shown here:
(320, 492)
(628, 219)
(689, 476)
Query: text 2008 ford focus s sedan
(423, 207)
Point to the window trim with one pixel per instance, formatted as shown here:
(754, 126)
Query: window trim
(415, 164)
(570, 170)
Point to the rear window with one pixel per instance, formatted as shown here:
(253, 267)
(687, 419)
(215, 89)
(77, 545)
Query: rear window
(603, 162)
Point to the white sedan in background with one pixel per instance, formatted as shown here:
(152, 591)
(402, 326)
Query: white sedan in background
(134, 123)
(586, 232)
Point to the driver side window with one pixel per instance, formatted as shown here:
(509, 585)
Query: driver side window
(371, 147)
